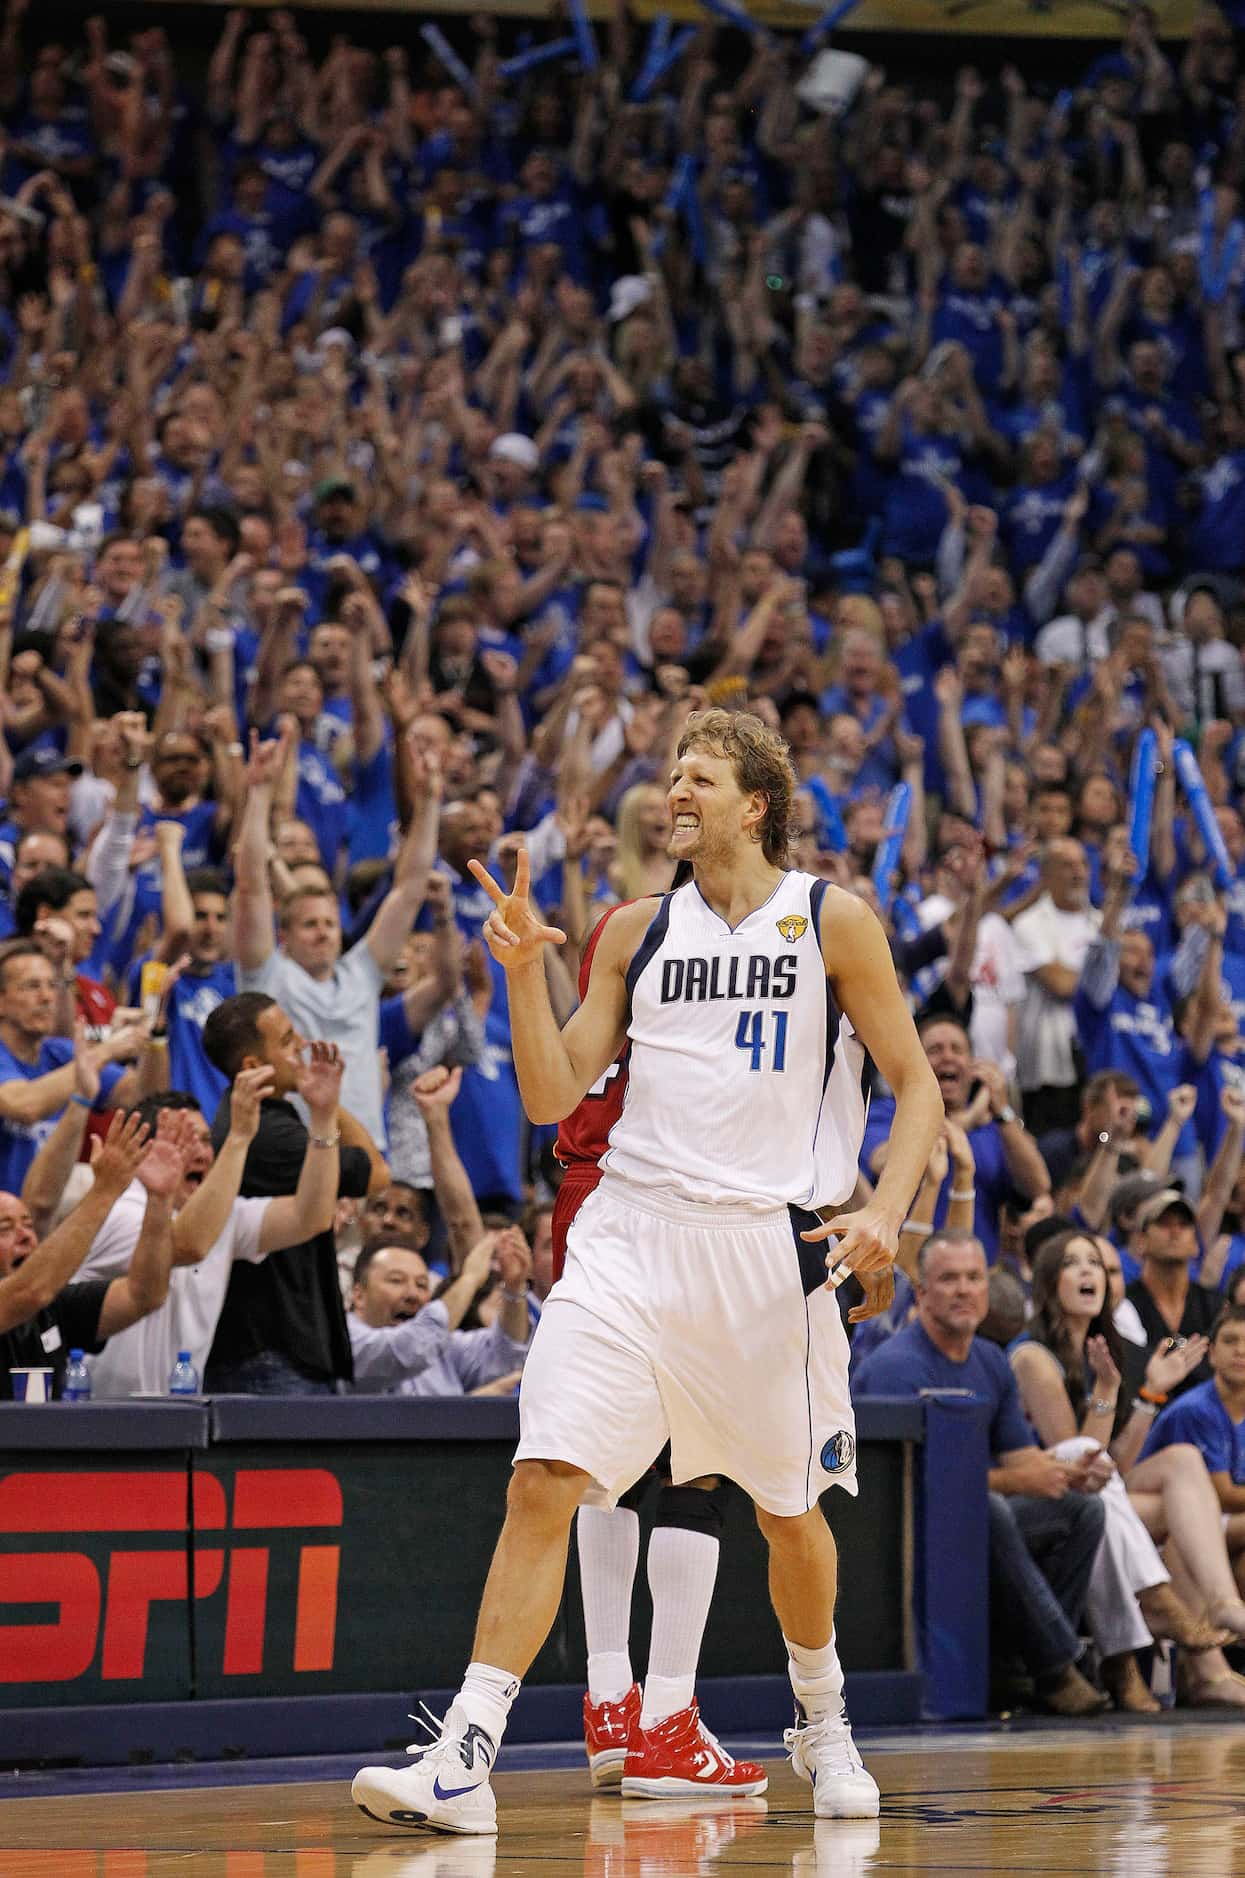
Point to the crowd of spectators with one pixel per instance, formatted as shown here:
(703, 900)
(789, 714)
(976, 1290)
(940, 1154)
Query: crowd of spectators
(391, 458)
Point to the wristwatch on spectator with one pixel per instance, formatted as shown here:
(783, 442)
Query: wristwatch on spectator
(1005, 1115)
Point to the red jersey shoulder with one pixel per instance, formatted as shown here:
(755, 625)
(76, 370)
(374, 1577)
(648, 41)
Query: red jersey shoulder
(585, 1134)
(96, 1005)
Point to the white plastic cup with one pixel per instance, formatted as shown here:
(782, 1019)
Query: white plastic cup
(32, 1385)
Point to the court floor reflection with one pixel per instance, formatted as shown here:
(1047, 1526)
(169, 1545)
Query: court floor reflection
(1138, 1800)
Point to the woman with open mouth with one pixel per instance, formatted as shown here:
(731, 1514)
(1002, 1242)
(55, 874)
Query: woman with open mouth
(1068, 1372)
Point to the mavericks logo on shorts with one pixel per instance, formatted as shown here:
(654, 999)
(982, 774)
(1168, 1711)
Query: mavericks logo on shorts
(793, 927)
(839, 1452)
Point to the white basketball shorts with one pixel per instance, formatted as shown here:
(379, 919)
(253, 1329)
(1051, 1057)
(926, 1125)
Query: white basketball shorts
(696, 1325)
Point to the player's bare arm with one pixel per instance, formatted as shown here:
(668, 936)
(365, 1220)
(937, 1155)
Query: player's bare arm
(556, 1068)
(862, 972)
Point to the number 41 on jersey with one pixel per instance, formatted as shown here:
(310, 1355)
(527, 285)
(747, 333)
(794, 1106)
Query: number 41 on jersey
(750, 1035)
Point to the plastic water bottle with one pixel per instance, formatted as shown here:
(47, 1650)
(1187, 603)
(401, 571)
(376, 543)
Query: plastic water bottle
(77, 1387)
(184, 1377)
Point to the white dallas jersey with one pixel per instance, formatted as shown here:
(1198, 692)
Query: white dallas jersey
(746, 1084)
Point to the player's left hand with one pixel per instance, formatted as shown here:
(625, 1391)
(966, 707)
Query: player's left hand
(879, 1290)
(868, 1242)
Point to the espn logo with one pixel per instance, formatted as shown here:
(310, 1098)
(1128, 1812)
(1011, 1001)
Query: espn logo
(112, 1591)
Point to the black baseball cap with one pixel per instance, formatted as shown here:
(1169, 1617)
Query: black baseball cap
(32, 764)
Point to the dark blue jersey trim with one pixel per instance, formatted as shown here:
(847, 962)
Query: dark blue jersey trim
(648, 947)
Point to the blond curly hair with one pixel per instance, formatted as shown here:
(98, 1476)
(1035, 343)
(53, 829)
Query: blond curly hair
(762, 763)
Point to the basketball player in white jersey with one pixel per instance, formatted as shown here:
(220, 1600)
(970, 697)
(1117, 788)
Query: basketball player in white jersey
(695, 1304)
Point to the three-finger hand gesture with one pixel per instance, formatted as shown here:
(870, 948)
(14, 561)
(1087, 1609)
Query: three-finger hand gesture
(513, 933)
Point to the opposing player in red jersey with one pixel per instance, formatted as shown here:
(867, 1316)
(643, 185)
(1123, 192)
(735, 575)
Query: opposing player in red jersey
(652, 1742)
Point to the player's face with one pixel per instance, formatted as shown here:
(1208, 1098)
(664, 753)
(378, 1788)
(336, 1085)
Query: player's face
(710, 814)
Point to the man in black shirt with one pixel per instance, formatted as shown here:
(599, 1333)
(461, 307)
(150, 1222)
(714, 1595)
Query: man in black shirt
(1168, 1302)
(42, 1315)
(282, 1329)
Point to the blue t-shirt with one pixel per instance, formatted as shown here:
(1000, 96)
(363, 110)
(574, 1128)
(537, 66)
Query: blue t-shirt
(1138, 1036)
(915, 511)
(1217, 535)
(487, 1117)
(201, 846)
(372, 813)
(320, 801)
(993, 1181)
(918, 662)
(971, 320)
(1221, 1070)
(21, 1141)
(909, 1362)
(1032, 518)
(191, 1002)
(1201, 1419)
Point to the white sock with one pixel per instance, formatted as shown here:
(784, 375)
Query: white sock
(609, 1551)
(485, 1698)
(682, 1571)
(816, 1677)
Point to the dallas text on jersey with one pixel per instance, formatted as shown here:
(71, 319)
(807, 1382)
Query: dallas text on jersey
(700, 981)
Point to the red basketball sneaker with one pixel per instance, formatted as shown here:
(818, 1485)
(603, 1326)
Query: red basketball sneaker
(609, 1730)
(679, 1755)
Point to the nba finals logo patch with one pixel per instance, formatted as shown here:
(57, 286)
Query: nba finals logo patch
(793, 927)
(839, 1452)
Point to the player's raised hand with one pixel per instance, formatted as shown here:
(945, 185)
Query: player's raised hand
(868, 1242)
(513, 933)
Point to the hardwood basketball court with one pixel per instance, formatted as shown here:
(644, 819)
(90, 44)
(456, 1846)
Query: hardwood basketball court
(1144, 1800)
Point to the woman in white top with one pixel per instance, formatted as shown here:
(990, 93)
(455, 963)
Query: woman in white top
(1068, 1373)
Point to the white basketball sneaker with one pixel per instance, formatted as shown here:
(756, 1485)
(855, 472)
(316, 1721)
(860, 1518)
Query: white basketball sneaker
(823, 1753)
(446, 1790)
